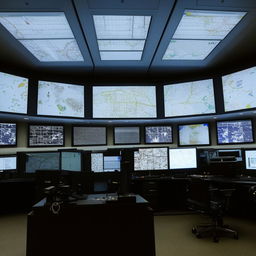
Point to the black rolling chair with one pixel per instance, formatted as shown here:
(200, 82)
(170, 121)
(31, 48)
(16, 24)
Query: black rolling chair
(213, 202)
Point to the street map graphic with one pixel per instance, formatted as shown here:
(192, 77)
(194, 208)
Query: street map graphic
(239, 90)
(13, 93)
(158, 134)
(7, 134)
(124, 102)
(191, 98)
(58, 99)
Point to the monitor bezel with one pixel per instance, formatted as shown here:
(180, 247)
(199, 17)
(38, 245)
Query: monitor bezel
(194, 145)
(126, 143)
(152, 143)
(16, 137)
(234, 120)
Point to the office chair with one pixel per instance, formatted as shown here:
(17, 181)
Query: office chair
(213, 202)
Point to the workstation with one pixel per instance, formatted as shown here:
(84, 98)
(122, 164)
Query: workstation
(125, 119)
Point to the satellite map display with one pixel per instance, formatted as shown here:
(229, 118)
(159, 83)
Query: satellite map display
(46, 135)
(13, 93)
(7, 134)
(158, 134)
(97, 162)
(42, 161)
(239, 90)
(234, 132)
(151, 159)
(194, 134)
(124, 101)
(58, 99)
(191, 98)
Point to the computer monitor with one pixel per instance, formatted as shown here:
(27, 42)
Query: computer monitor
(8, 134)
(183, 158)
(250, 159)
(97, 162)
(158, 134)
(112, 163)
(71, 161)
(126, 135)
(8, 162)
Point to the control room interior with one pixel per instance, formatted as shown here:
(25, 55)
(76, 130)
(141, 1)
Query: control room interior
(146, 101)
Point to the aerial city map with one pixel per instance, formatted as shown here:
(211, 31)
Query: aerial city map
(158, 134)
(7, 134)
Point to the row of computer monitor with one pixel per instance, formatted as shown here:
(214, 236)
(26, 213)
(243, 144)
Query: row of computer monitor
(41, 135)
(141, 159)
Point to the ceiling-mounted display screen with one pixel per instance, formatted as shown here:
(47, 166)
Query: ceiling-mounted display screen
(158, 134)
(194, 134)
(46, 135)
(124, 102)
(238, 131)
(126, 135)
(191, 98)
(13, 93)
(59, 99)
(239, 90)
(183, 158)
(83, 136)
(151, 159)
(8, 134)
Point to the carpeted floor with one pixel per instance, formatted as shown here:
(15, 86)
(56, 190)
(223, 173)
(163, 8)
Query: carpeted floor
(172, 235)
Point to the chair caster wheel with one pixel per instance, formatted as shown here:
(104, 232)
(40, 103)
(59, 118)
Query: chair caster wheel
(194, 230)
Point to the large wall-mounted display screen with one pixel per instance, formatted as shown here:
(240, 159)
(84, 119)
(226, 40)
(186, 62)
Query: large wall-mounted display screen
(13, 93)
(8, 134)
(46, 135)
(239, 90)
(183, 158)
(8, 163)
(238, 131)
(151, 159)
(83, 136)
(158, 134)
(42, 161)
(191, 98)
(126, 135)
(58, 99)
(194, 134)
(124, 102)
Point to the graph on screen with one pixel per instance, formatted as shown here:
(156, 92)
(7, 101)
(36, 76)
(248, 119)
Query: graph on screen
(13, 93)
(239, 131)
(239, 90)
(191, 98)
(158, 134)
(124, 102)
(59, 99)
(8, 134)
(183, 158)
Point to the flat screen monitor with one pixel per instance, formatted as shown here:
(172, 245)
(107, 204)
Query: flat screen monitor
(250, 159)
(59, 99)
(13, 93)
(126, 135)
(46, 135)
(97, 162)
(87, 136)
(183, 158)
(112, 163)
(194, 134)
(239, 90)
(151, 159)
(8, 162)
(42, 161)
(8, 134)
(158, 134)
(191, 98)
(124, 102)
(232, 132)
(71, 161)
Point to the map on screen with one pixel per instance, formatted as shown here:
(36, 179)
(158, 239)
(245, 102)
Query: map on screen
(191, 98)
(151, 159)
(97, 162)
(239, 90)
(7, 134)
(13, 93)
(194, 134)
(58, 99)
(46, 135)
(234, 132)
(183, 158)
(158, 134)
(124, 102)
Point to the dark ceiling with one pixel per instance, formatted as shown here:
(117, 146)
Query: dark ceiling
(236, 51)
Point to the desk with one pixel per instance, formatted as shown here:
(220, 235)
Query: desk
(93, 227)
